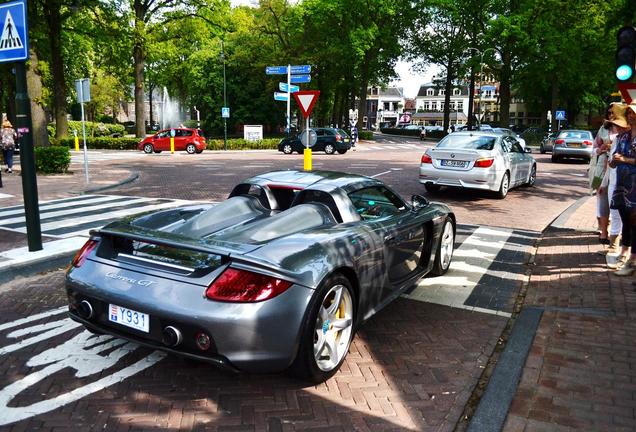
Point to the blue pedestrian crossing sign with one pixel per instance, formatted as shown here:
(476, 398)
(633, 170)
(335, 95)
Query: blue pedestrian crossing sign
(225, 112)
(14, 34)
(560, 115)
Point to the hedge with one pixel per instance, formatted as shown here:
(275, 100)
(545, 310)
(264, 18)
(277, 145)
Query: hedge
(241, 144)
(52, 160)
(100, 143)
(365, 135)
(92, 129)
(395, 131)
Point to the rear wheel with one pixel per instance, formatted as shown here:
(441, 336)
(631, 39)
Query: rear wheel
(329, 149)
(191, 149)
(343, 151)
(542, 149)
(287, 149)
(445, 249)
(433, 188)
(505, 185)
(533, 176)
(327, 331)
(148, 148)
(555, 158)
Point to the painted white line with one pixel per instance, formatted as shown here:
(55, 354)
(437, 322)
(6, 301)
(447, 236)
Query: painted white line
(35, 317)
(22, 255)
(5, 196)
(390, 147)
(378, 175)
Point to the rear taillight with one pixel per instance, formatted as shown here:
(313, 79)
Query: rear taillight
(81, 254)
(559, 141)
(338, 137)
(243, 286)
(426, 159)
(484, 163)
(587, 143)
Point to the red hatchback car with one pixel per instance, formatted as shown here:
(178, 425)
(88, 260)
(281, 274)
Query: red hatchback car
(190, 140)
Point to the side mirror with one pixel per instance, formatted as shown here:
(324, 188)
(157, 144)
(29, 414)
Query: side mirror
(418, 202)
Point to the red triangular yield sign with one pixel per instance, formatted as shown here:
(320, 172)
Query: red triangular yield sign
(306, 100)
(628, 91)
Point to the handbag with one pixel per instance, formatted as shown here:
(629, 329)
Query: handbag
(598, 166)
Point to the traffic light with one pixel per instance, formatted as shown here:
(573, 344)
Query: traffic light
(625, 53)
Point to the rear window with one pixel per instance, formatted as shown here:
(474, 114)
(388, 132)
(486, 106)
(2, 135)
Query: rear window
(468, 142)
(576, 134)
(343, 133)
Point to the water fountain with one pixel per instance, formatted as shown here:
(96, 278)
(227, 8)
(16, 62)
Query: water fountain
(169, 111)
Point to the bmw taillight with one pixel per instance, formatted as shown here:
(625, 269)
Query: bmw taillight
(81, 254)
(587, 143)
(426, 158)
(484, 162)
(559, 141)
(243, 286)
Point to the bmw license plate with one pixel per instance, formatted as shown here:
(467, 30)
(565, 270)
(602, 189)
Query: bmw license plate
(454, 163)
(129, 318)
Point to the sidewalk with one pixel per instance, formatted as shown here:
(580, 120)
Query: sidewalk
(15, 258)
(580, 369)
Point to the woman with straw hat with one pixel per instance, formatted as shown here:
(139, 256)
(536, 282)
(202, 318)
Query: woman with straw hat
(8, 137)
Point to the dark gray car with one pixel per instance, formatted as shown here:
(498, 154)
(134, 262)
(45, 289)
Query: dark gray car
(278, 276)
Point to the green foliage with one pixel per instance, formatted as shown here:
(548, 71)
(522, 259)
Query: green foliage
(241, 144)
(52, 160)
(92, 129)
(108, 143)
(365, 135)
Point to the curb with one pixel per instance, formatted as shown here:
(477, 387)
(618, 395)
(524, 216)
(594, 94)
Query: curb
(40, 265)
(130, 179)
(562, 219)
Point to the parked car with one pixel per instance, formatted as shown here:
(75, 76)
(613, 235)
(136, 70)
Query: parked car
(279, 275)
(478, 160)
(329, 140)
(190, 140)
(573, 143)
(547, 144)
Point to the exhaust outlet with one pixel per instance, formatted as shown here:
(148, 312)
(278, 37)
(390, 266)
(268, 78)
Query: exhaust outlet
(171, 336)
(85, 310)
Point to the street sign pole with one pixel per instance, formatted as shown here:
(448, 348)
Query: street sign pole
(288, 97)
(80, 89)
(27, 159)
(224, 100)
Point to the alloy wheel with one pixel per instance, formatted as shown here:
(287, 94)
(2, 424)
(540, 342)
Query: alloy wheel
(447, 244)
(333, 329)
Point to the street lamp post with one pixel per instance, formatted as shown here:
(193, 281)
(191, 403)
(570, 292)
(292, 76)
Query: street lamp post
(481, 70)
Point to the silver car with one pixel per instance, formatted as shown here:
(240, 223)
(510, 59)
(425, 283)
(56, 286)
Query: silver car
(478, 160)
(278, 276)
(573, 143)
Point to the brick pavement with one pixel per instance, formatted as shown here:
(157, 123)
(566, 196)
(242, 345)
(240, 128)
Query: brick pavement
(581, 370)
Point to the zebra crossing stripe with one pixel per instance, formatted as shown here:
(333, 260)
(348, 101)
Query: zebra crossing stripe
(65, 204)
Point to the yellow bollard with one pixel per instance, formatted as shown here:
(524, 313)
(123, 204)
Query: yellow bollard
(76, 143)
(171, 144)
(307, 159)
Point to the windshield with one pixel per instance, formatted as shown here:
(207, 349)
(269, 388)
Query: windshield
(468, 142)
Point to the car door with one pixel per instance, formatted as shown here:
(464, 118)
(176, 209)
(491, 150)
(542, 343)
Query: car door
(320, 140)
(522, 160)
(394, 226)
(511, 158)
(182, 139)
(162, 141)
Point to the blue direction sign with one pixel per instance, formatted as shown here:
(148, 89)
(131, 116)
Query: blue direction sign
(276, 70)
(13, 38)
(299, 79)
(301, 69)
(292, 88)
(225, 112)
(560, 115)
(280, 96)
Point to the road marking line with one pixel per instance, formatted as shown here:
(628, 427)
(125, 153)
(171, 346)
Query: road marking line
(382, 173)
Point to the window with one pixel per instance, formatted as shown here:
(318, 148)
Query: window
(442, 92)
(520, 114)
(429, 92)
(386, 106)
(427, 106)
(182, 133)
(457, 92)
(376, 202)
(163, 134)
(320, 132)
(488, 94)
(512, 114)
(441, 106)
(460, 105)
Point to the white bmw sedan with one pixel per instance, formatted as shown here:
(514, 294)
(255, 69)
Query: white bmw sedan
(478, 160)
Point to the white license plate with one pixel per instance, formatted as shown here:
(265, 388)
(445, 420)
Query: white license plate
(129, 318)
(454, 163)
(574, 144)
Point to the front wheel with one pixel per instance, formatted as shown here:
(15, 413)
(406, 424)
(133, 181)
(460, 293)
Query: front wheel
(287, 149)
(542, 149)
(327, 331)
(148, 148)
(555, 158)
(330, 149)
(503, 188)
(433, 188)
(533, 176)
(191, 149)
(445, 249)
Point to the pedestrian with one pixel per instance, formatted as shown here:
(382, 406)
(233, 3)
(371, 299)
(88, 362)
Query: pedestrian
(603, 177)
(8, 138)
(624, 197)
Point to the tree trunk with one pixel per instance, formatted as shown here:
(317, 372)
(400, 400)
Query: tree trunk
(504, 88)
(150, 90)
(38, 116)
(471, 97)
(364, 84)
(447, 94)
(54, 27)
(139, 58)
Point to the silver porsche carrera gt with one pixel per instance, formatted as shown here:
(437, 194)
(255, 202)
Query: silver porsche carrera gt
(277, 277)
